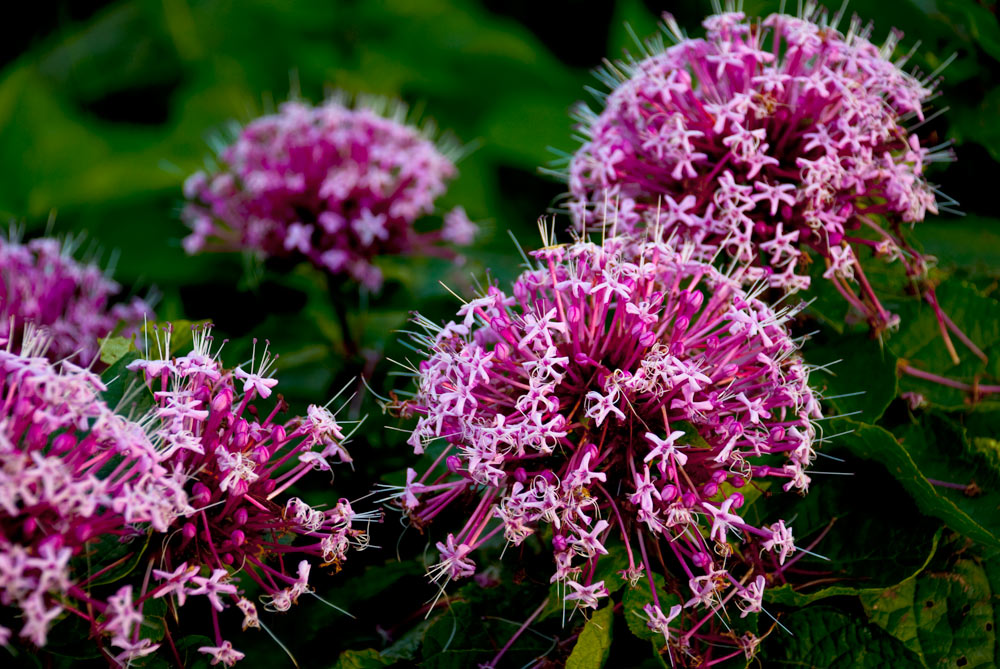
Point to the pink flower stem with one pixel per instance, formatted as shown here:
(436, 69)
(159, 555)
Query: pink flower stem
(719, 660)
(518, 633)
(951, 383)
(946, 484)
(621, 523)
(931, 298)
(649, 571)
(867, 288)
(851, 298)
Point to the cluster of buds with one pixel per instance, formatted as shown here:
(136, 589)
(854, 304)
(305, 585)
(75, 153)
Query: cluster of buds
(768, 140)
(334, 184)
(621, 393)
(204, 472)
(41, 283)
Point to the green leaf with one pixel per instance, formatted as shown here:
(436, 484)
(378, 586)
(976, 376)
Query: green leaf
(154, 624)
(117, 378)
(971, 243)
(406, 646)
(455, 639)
(853, 522)
(987, 451)
(853, 363)
(825, 303)
(823, 636)
(608, 567)
(360, 659)
(114, 349)
(606, 570)
(946, 617)
(691, 436)
(594, 643)
(180, 335)
(911, 460)
(786, 595)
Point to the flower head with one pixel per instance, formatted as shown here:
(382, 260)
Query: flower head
(238, 461)
(335, 184)
(204, 472)
(612, 397)
(768, 140)
(42, 283)
(72, 473)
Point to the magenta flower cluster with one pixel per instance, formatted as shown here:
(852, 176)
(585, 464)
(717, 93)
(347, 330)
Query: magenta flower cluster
(239, 461)
(620, 394)
(334, 184)
(769, 140)
(41, 283)
(72, 474)
(204, 472)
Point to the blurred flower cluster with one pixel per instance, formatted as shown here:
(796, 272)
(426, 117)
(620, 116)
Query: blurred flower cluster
(42, 283)
(335, 184)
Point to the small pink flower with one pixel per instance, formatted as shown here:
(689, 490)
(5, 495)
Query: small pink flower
(224, 654)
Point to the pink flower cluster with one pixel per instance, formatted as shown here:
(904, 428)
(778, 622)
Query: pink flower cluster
(239, 461)
(618, 398)
(767, 139)
(334, 184)
(204, 472)
(41, 283)
(72, 474)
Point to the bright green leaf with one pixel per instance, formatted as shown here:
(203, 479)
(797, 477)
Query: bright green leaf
(594, 643)
(114, 349)
(360, 659)
(946, 617)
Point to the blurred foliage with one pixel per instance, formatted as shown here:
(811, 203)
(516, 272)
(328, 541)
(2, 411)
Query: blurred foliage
(104, 111)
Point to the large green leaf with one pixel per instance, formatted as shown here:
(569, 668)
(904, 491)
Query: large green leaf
(858, 374)
(946, 617)
(911, 460)
(971, 244)
(478, 622)
(853, 522)
(823, 636)
(787, 595)
(594, 643)
(919, 343)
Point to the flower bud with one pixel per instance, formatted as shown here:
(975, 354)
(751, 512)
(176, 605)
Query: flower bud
(559, 543)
